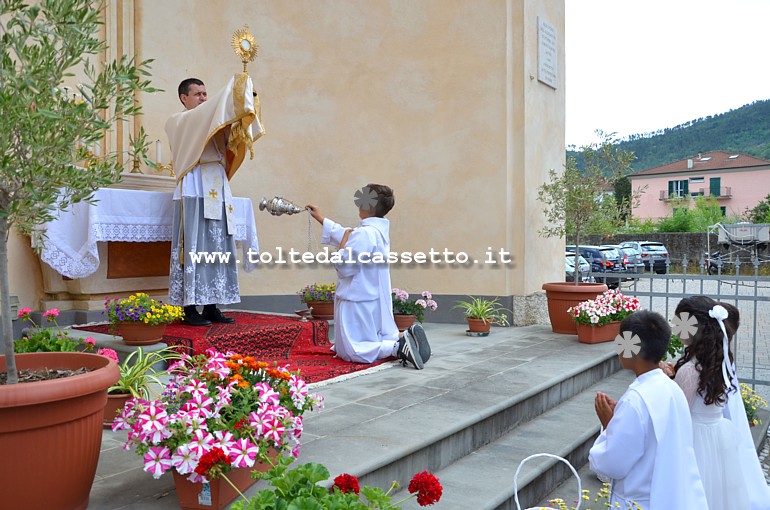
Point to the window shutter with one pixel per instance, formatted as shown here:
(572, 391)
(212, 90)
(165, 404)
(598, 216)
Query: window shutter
(715, 185)
(670, 188)
(685, 187)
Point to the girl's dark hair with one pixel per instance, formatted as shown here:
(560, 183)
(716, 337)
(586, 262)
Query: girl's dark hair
(706, 346)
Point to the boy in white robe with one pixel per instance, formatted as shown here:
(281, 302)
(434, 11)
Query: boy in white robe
(646, 446)
(364, 329)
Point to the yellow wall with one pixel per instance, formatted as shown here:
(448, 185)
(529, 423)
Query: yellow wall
(437, 98)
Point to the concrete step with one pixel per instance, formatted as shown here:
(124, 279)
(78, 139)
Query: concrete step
(409, 421)
(484, 479)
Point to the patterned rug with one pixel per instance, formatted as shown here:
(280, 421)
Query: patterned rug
(303, 346)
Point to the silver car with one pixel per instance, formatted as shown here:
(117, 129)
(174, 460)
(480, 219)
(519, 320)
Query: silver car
(569, 266)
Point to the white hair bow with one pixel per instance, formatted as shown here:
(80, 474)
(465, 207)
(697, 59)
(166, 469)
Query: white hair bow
(719, 313)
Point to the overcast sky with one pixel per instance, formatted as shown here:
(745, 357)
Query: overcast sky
(636, 66)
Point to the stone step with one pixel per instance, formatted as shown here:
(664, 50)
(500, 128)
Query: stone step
(484, 479)
(408, 421)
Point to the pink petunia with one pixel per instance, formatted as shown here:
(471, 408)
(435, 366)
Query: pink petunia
(184, 460)
(243, 453)
(23, 313)
(51, 314)
(157, 460)
(90, 340)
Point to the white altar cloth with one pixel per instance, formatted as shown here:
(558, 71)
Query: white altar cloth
(126, 215)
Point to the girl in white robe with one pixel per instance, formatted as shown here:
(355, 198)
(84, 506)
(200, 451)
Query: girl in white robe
(731, 476)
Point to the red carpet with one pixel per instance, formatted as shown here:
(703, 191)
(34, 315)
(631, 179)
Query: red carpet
(303, 346)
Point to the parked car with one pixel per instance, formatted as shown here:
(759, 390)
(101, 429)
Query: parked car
(654, 254)
(632, 260)
(602, 260)
(569, 266)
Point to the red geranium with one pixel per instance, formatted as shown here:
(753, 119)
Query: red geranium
(427, 487)
(347, 483)
(212, 463)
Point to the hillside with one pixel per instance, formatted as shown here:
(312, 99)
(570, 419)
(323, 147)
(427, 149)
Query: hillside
(745, 130)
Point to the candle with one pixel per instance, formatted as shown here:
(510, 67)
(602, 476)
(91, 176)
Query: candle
(158, 152)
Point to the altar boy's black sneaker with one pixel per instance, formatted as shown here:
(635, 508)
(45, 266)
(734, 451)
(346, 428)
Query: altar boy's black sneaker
(408, 352)
(418, 333)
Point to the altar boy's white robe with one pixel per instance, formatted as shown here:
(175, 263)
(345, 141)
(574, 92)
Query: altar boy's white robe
(364, 329)
(647, 448)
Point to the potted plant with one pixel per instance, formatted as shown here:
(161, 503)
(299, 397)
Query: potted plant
(139, 319)
(231, 411)
(319, 298)
(299, 488)
(481, 313)
(573, 201)
(46, 131)
(50, 339)
(598, 320)
(407, 310)
(137, 376)
(752, 402)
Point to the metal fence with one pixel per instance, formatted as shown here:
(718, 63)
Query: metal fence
(750, 294)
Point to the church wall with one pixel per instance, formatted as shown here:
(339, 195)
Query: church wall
(437, 98)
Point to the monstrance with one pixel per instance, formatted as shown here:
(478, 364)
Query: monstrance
(244, 45)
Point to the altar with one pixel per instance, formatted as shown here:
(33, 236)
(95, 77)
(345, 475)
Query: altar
(120, 244)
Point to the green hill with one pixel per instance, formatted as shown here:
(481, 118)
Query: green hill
(745, 130)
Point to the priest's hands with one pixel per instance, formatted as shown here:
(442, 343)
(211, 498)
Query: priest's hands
(605, 408)
(315, 213)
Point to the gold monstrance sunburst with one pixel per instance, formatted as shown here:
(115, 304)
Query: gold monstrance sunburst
(244, 45)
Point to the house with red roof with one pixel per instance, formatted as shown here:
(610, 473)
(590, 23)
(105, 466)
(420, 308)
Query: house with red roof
(736, 181)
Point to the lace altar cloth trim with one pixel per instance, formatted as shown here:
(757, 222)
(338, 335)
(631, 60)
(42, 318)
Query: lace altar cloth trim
(125, 215)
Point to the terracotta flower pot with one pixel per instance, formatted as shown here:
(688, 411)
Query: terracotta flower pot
(563, 295)
(322, 309)
(51, 431)
(217, 493)
(597, 334)
(478, 325)
(139, 333)
(403, 321)
(115, 404)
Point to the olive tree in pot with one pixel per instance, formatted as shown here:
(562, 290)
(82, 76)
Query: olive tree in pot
(575, 203)
(46, 130)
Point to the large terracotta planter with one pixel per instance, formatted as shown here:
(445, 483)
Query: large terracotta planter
(115, 404)
(404, 321)
(217, 493)
(322, 309)
(139, 333)
(51, 431)
(598, 334)
(563, 295)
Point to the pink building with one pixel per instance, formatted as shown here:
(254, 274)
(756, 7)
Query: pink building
(737, 181)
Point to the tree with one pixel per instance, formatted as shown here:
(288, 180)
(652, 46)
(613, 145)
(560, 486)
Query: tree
(46, 129)
(574, 199)
(761, 212)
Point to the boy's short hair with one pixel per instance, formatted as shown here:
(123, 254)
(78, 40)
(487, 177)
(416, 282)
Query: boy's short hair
(653, 331)
(385, 199)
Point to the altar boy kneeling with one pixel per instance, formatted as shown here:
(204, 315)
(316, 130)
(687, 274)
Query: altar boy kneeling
(645, 446)
(364, 329)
